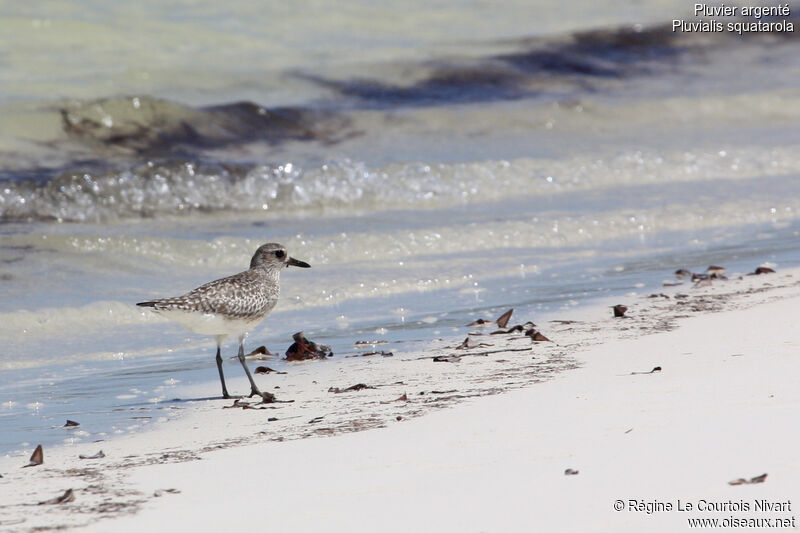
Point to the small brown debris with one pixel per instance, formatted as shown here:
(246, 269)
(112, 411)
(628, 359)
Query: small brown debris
(381, 353)
(316, 419)
(443, 391)
(303, 349)
(762, 270)
(356, 387)
(682, 273)
(447, 359)
(398, 418)
(513, 329)
(571, 472)
(537, 336)
(272, 419)
(68, 496)
(261, 350)
(71, 424)
(655, 369)
(266, 370)
(237, 403)
(98, 455)
(268, 397)
(619, 310)
(37, 457)
(751, 481)
(503, 319)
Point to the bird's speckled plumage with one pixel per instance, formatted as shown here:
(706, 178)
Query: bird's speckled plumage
(248, 295)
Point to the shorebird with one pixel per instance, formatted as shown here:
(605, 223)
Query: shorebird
(232, 306)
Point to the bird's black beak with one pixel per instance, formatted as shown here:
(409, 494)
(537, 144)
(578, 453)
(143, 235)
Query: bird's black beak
(294, 262)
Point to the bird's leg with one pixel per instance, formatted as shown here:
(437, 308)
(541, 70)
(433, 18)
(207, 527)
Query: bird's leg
(253, 387)
(221, 375)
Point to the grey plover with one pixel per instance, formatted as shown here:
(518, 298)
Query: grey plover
(232, 306)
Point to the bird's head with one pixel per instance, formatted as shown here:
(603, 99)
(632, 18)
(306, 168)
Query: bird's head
(273, 255)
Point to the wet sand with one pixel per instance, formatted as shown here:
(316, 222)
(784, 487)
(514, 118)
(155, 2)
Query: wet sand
(723, 406)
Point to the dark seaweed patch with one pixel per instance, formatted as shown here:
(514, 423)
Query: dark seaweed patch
(538, 66)
(153, 127)
(451, 82)
(581, 61)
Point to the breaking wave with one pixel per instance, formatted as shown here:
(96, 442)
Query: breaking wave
(154, 190)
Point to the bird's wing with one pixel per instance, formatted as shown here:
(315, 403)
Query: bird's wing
(235, 296)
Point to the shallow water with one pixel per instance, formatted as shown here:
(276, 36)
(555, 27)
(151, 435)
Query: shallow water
(451, 170)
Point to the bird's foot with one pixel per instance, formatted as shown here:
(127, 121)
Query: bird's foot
(255, 392)
(226, 396)
(266, 397)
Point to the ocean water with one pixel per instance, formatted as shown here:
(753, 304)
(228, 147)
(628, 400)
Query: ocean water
(434, 162)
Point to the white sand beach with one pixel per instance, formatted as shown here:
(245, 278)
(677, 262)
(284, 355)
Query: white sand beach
(434, 163)
(663, 446)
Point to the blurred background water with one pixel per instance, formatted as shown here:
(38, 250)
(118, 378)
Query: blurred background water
(433, 161)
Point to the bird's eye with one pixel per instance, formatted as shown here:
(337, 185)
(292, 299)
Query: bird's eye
(280, 254)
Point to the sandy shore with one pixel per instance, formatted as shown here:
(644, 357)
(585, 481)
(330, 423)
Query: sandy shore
(723, 406)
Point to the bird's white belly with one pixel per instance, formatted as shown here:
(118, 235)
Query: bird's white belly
(211, 324)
